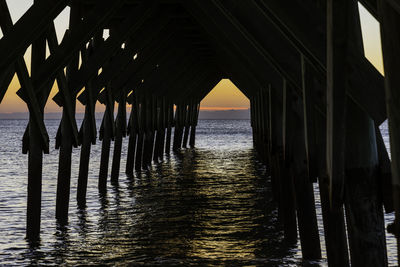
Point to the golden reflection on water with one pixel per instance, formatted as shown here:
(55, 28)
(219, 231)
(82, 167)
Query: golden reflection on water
(207, 206)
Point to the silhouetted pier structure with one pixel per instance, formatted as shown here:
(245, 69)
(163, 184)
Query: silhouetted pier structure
(316, 101)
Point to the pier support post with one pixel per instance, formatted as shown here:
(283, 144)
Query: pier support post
(178, 128)
(132, 130)
(120, 132)
(315, 140)
(170, 115)
(188, 114)
(106, 135)
(390, 26)
(139, 147)
(305, 203)
(196, 109)
(364, 211)
(64, 139)
(35, 155)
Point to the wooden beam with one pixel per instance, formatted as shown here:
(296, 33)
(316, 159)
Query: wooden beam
(26, 83)
(139, 14)
(27, 29)
(73, 42)
(63, 86)
(366, 83)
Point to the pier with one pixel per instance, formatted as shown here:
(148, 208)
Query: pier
(316, 102)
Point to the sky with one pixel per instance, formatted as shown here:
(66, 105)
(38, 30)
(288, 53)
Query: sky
(224, 96)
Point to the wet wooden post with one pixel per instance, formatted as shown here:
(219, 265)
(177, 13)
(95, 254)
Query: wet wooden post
(178, 113)
(88, 135)
(120, 132)
(132, 131)
(139, 147)
(87, 139)
(272, 162)
(279, 168)
(35, 147)
(160, 133)
(162, 130)
(390, 26)
(364, 212)
(265, 117)
(196, 110)
(64, 139)
(305, 203)
(106, 135)
(315, 140)
(337, 43)
(188, 114)
(157, 130)
(170, 115)
(149, 134)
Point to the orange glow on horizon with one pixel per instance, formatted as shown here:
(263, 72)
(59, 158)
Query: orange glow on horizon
(225, 96)
(222, 108)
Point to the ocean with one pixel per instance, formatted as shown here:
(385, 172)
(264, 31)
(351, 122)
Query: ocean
(211, 205)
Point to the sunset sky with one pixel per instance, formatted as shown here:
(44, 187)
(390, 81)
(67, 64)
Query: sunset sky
(224, 96)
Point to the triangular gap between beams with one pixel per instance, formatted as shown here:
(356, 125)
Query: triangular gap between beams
(225, 96)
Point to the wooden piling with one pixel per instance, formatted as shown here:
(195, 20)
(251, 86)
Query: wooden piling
(305, 203)
(132, 131)
(170, 114)
(315, 143)
(364, 212)
(188, 114)
(192, 140)
(139, 146)
(120, 132)
(33, 145)
(106, 134)
(390, 26)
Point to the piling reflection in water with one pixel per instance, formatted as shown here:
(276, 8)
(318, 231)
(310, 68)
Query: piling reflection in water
(209, 205)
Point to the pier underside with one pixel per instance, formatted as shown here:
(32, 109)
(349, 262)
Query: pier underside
(316, 101)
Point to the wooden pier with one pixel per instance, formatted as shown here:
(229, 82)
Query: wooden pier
(316, 101)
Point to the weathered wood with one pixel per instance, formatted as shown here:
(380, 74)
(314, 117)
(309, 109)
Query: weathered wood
(188, 113)
(309, 119)
(337, 32)
(390, 25)
(35, 157)
(73, 42)
(67, 131)
(287, 194)
(367, 83)
(88, 135)
(106, 134)
(34, 105)
(120, 125)
(305, 203)
(132, 131)
(108, 49)
(364, 213)
(27, 29)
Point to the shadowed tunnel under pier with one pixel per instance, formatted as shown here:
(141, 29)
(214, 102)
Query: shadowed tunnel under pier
(316, 102)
